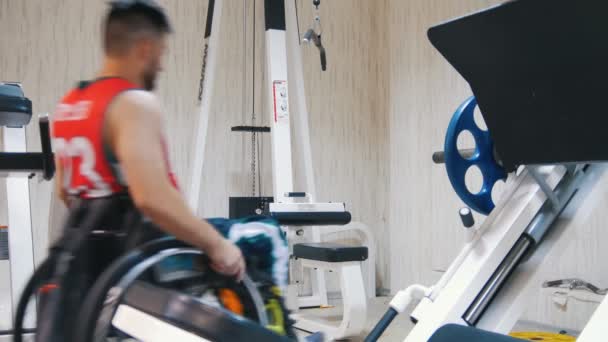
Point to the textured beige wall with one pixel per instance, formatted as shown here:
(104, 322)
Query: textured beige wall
(48, 45)
(424, 91)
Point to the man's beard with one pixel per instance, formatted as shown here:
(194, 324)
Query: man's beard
(150, 81)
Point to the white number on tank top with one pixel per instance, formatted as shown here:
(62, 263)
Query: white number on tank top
(80, 147)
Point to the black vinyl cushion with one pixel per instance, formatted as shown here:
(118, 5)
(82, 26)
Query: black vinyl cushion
(459, 333)
(329, 252)
(15, 108)
(339, 218)
(538, 71)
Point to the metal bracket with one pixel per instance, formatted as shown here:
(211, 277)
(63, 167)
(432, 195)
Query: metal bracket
(575, 284)
(544, 186)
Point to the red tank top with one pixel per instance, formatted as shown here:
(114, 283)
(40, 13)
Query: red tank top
(89, 167)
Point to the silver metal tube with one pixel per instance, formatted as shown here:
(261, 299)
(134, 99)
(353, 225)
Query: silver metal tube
(439, 157)
(483, 299)
(550, 211)
(533, 235)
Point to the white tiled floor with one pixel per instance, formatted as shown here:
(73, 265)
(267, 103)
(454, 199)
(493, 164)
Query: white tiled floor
(376, 308)
(401, 326)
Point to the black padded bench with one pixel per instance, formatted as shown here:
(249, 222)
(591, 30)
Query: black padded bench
(329, 252)
(339, 218)
(345, 261)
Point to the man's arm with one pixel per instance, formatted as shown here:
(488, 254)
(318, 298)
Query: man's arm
(133, 130)
(59, 182)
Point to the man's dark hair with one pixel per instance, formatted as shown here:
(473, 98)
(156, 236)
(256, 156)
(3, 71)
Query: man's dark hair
(127, 20)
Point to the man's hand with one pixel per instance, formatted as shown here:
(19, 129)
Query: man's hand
(227, 259)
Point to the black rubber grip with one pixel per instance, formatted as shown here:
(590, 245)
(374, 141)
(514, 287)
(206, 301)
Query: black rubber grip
(384, 322)
(48, 159)
(466, 216)
(254, 129)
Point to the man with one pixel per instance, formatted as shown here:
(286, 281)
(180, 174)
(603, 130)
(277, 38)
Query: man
(108, 138)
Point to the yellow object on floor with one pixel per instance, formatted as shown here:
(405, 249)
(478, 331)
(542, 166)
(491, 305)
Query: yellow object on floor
(543, 336)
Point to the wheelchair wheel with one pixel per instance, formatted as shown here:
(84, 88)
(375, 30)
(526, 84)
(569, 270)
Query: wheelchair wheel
(139, 266)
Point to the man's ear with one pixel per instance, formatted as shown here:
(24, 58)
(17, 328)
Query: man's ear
(145, 48)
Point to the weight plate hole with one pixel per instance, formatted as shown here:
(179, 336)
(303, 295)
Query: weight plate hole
(465, 143)
(478, 118)
(473, 179)
(497, 190)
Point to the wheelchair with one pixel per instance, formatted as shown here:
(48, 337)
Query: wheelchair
(113, 277)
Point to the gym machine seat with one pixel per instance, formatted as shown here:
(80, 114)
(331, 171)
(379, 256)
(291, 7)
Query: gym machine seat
(312, 219)
(329, 252)
(309, 214)
(156, 307)
(457, 333)
(346, 262)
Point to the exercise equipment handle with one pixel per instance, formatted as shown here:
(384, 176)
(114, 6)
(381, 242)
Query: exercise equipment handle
(466, 216)
(381, 326)
(439, 156)
(48, 159)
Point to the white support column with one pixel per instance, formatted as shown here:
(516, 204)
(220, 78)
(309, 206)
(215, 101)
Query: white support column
(354, 300)
(302, 131)
(276, 69)
(208, 75)
(20, 237)
(299, 100)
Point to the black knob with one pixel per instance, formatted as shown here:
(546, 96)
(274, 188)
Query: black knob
(467, 217)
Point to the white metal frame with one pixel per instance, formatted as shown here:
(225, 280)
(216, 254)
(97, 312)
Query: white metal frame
(280, 73)
(354, 302)
(145, 327)
(204, 110)
(277, 68)
(447, 301)
(303, 139)
(20, 235)
(277, 72)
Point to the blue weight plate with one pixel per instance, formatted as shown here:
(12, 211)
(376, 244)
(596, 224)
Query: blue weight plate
(483, 158)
